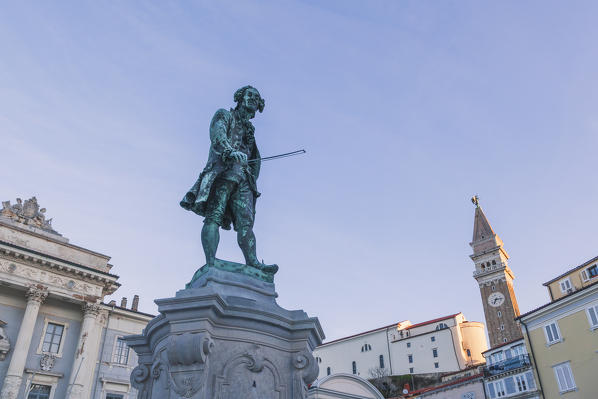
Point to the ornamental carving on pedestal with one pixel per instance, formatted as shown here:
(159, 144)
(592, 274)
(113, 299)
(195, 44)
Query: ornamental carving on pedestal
(250, 375)
(187, 362)
(308, 370)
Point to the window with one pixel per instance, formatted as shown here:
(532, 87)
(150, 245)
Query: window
(408, 344)
(114, 396)
(435, 352)
(564, 377)
(366, 348)
(502, 327)
(121, 352)
(354, 367)
(39, 392)
(504, 340)
(518, 350)
(589, 273)
(496, 389)
(552, 333)
(327, 370)
(52, 338)
(441, 326)
(410, 358)
(432, 338)
(436, 365)
(496, 357)
(493, 288)
(410, 370)
(566, 286)
(493, 262)
(381, 361)
(521, 384)
(593, 316)
(499, 313)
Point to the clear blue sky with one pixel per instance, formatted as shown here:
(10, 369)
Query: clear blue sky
(406, 109)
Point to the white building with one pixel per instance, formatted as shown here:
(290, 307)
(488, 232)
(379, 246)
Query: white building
(57, 338)
(445, 344)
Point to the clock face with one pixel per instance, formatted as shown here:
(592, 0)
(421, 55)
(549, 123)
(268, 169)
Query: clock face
(496, 299)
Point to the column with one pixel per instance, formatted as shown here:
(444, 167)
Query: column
(84, 363)
(14, 375)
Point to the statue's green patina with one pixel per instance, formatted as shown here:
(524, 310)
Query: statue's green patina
(226, 189)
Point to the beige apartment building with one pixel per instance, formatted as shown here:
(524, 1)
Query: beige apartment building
(562, 335)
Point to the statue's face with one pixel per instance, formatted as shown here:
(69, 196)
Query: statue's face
(251, 99)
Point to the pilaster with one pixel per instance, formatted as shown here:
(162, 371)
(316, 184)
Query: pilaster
(14, 374)
(84, 362)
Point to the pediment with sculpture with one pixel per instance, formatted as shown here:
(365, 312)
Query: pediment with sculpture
(27, 213)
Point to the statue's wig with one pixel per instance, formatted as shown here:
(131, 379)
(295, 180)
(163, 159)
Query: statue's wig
(239, 94)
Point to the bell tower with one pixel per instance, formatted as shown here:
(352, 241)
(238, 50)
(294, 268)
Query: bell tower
(495, 279)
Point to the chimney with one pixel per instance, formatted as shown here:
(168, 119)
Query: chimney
(135, 304)
(112, 303)
(123, 302)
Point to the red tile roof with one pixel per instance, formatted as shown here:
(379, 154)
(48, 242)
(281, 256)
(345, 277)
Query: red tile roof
(432, 321)
(448, 384)
(393, 325)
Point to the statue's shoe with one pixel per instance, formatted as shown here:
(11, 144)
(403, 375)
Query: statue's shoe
(266, 268)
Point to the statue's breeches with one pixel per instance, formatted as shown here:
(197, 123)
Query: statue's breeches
(236, 198)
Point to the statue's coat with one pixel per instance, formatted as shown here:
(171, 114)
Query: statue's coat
(221, 128)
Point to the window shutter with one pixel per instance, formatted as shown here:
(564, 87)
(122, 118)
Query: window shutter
(593, 311)
(555, 332)
(530, 380)
(568, 376)
(491, 390)
(549, 333)
(584, 275)
(560, 377)
(510, 385)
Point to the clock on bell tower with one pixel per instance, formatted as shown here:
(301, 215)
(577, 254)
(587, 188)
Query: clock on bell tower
(495, 279)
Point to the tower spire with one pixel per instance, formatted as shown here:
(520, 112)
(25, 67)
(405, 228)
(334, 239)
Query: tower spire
(481, 226)
(495, 280)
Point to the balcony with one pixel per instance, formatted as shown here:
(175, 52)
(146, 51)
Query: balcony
(507, 364)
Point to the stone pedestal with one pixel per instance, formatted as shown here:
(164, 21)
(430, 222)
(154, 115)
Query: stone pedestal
(225, 337)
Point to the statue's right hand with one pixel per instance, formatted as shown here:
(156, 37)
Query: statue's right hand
(239, 156)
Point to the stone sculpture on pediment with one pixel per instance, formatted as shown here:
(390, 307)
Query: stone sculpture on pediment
(28, 213)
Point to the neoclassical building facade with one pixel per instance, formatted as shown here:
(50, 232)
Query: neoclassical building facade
(58, 339)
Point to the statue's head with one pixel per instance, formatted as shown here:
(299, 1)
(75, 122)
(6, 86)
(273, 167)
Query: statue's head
(249, 98)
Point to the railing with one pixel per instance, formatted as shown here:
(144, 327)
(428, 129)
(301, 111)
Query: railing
(507, 364)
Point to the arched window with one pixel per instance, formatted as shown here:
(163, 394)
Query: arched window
(441, 326)
(381, 361)
(354, 365)
(327, 370)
